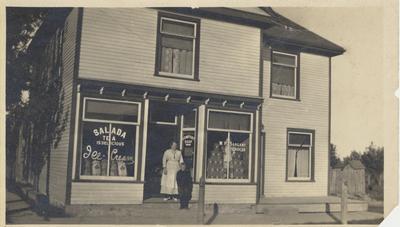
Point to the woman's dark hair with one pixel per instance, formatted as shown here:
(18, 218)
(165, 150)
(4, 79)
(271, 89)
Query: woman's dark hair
(172, 142)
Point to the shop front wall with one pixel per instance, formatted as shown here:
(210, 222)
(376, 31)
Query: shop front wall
(110, 153)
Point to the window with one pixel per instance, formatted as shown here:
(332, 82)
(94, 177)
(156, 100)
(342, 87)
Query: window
(109, 144)
(178, 45)
(228, 146)
(299, 157)
(284, 78)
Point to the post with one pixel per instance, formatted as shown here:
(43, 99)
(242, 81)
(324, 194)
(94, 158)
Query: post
(200, 210)
(344, 203)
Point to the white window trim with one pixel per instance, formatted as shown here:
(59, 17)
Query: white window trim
(180, 21)
(179, 75)
(286, 65)
(137, 126)
(175, 122)
(214, 180)
(310, 147)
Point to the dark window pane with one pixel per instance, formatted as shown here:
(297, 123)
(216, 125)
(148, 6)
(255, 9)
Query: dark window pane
(225, 120)
(239, 153)
(160, 112)
(122, 150)
(113, 111)
(177, 43)
(299, 139)
(217, 155)
(179, 28)
(189, 119)
(284, 59)
(94, 148)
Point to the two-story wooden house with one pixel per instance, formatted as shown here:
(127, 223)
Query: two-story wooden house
(245, 92)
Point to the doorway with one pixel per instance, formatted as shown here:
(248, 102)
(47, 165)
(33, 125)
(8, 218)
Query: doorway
(167, 122)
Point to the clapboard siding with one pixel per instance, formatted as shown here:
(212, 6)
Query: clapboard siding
(233, 194)
(106, 193)
(311, 112)
(120, 45)
(59, 155)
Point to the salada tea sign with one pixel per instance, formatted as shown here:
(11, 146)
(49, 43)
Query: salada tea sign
(108, 149)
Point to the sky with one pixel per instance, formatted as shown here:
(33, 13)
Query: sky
(357, 75)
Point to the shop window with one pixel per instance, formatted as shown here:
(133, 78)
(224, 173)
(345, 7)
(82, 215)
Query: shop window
(109, 144)
(284, 75)
(299, 157)
(228, 146)
(178, 44)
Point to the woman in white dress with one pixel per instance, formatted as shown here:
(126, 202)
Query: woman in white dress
(172, 159)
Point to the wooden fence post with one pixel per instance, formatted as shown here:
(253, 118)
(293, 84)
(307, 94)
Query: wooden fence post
(344, 203)
(200, 210)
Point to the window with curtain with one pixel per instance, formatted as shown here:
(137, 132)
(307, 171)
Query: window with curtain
(284, 75)
(228, 146)
(109, 139)
(299, 155)
(177, 47)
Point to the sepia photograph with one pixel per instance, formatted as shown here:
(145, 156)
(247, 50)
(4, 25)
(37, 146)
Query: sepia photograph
(195, 115)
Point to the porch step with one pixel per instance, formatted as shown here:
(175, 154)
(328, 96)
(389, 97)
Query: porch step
(310, 204)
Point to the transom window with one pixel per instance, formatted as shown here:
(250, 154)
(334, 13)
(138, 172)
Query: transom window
(177, 47)
(109, 142)
(229, 146)
(299, 150)
(284, 81)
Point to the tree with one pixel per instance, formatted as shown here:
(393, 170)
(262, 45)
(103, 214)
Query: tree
(334, 160)
(22, 24)
(372, 159)
(39, 109)
(354, 155)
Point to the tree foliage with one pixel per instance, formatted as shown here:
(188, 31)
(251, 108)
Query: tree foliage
(334, 160)
(22, 24)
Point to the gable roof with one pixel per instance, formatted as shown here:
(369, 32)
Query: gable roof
(356, 164)
(288, 33)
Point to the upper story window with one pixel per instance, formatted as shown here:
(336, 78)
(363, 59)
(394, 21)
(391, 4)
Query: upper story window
(178, 44)
(284, 75)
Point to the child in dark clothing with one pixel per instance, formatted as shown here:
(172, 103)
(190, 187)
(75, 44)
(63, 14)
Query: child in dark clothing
(185, 185)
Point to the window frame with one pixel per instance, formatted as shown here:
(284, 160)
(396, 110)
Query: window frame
(311, 150)
(162, 16)
(109, 122)
(229, 131)
(296, 68)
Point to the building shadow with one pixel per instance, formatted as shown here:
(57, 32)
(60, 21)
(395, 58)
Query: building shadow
(328, 211)
(214, 215)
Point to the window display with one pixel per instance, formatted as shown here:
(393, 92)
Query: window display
(108, 148)
(228, 146)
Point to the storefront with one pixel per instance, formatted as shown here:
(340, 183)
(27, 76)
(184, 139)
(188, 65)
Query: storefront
(122, 136)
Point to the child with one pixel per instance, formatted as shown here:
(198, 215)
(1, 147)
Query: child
(184, 180)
